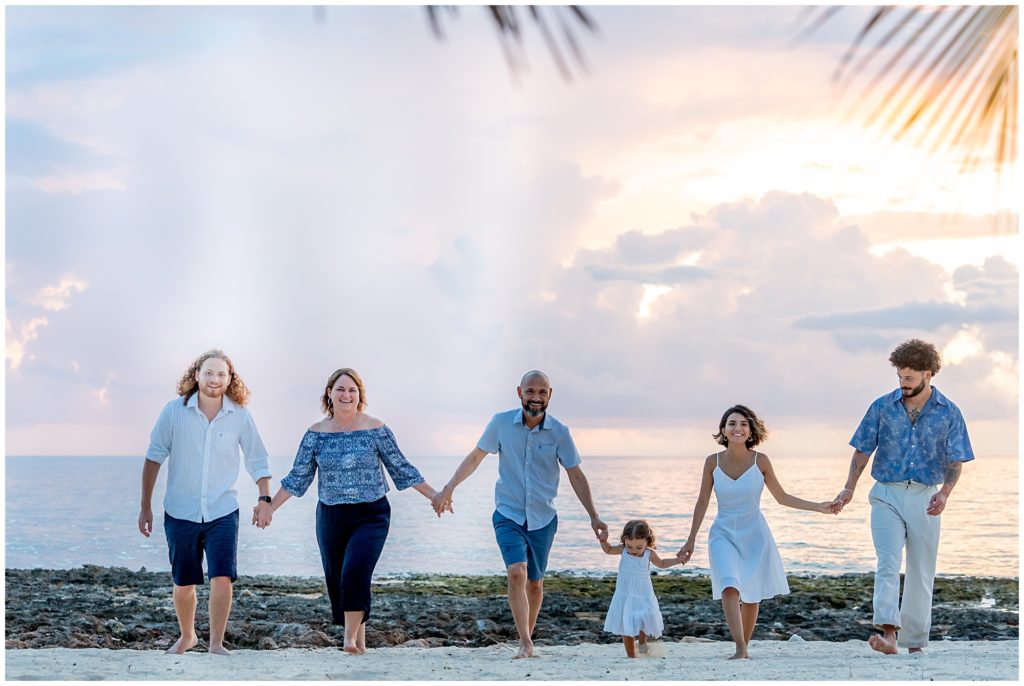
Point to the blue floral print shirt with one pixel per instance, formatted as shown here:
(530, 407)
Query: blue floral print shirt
(913, 452)
(351, 466)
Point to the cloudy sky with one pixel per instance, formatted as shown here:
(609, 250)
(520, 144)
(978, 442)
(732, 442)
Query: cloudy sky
(693, 223)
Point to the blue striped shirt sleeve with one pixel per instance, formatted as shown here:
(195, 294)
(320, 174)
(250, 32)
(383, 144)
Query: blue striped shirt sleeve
(253, 450)
(303, 469)
(160, 438)
(402, 472)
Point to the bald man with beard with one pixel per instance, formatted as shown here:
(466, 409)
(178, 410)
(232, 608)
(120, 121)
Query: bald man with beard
(531, 445)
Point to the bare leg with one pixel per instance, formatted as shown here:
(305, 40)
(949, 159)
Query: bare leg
(749, 613)
(353, 621)
(642, 643)
(733, 617)
(185, 609)
(519, 603)
(630, 649)
(886, 643)
(535, 596)
(220, 608)
(361, 638)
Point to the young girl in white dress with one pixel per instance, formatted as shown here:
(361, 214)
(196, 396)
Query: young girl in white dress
(634, 611)
(745, 563)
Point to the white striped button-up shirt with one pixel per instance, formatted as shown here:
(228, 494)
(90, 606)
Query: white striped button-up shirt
(204, 460)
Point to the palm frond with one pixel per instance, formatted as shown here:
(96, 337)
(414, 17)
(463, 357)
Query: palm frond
(506, 21)
(949, 77)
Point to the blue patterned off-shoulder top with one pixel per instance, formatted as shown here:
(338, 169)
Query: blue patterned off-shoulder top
(351, 466)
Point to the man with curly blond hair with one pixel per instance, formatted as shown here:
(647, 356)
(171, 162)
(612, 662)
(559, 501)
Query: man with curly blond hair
(919, 440)
(199, 435)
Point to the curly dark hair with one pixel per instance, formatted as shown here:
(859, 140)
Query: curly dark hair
(636, 529)
(236, 390)
(918, 355)
(758, 431)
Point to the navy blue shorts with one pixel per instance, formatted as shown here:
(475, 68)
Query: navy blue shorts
(187, 541)
(517, 544)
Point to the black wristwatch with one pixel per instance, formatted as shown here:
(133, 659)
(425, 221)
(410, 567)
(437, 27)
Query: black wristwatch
(264, 499)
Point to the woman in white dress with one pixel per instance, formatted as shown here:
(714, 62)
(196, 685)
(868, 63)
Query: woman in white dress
(745, 563)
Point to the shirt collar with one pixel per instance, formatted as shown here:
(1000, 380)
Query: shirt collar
(517, 418)
(936, 396)
(228, 405)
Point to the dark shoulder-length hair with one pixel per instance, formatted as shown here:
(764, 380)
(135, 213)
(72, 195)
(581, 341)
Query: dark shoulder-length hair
(758, 431)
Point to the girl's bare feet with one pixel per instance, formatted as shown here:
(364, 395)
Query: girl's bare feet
(219, 650)
(740, 655)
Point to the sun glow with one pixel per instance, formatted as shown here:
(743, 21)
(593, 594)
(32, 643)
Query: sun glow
(651, 293)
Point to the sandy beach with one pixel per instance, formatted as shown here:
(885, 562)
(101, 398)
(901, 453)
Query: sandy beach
(684, 660)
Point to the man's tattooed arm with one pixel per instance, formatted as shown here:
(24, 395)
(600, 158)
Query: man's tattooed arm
(952, 476)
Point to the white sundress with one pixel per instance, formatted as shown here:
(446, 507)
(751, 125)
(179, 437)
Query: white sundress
(634, 607)
(740, 545)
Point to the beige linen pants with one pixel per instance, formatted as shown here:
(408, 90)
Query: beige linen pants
(898, 519)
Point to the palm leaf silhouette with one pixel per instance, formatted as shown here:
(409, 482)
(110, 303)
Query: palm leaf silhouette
(948, 81)
(506, 19)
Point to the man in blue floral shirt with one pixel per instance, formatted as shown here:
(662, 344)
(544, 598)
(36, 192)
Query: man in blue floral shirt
(919, 440)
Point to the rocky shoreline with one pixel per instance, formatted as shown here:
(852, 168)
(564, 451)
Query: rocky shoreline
(114, 607)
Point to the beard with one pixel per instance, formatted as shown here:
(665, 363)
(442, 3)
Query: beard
(212, 392)
(915, 391)
(534, 411)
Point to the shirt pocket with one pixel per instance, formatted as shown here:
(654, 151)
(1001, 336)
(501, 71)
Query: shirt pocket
(546, 451)
(225, 444)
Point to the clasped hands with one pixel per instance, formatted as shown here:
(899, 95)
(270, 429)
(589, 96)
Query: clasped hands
(262, 514)
(442, 501)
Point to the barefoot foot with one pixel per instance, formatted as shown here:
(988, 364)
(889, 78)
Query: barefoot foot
(219, 650)
(351, 647)
(181, 645)
(739, 655)
(882, 644)
(525, 650)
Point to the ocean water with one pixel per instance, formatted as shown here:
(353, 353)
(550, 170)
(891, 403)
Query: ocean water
(63, 512)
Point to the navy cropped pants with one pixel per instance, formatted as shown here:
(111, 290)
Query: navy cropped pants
(351, 537)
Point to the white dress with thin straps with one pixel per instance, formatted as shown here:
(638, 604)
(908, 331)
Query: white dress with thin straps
(742, 551)
(634, 607)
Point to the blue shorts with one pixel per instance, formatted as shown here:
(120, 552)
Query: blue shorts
(517, 544)
(187, 541)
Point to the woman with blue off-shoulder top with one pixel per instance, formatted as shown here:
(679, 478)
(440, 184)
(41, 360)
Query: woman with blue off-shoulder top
(350, 449)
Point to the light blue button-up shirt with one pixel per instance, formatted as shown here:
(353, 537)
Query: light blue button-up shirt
(203, 459)
(913, 452)
(528, 462)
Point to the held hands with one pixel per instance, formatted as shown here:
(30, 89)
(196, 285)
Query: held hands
(599, 527)
(843, 498)
(685, 553)
(442, 501)
(832, 507)
(262, 514)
